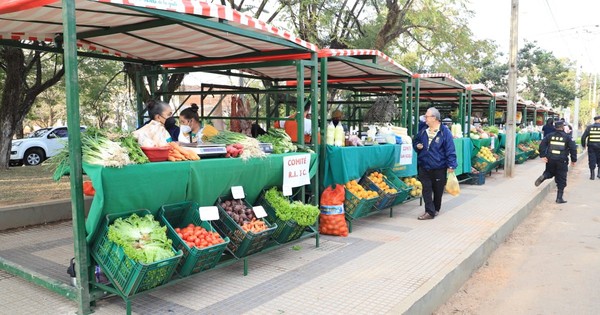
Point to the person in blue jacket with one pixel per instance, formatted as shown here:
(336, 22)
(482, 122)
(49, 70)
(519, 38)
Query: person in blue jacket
(436, 157)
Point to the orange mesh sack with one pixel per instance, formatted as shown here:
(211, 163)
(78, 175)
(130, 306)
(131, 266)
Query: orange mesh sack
(332, 220)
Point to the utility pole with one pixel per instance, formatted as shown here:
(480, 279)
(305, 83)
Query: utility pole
(594, 104)
(576, 106)
(511, 136)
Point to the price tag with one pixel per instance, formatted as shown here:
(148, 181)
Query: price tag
(287, 190)
(209, 213)
(259, 212)
(237, 192)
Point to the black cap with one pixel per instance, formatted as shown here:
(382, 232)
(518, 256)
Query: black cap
(597, 117)
(559, 123)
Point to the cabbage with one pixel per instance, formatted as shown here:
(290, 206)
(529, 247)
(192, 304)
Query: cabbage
(142, 238)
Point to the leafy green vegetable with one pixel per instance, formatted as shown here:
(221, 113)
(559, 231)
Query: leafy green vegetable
(227, 137)
(142, 238)
(303, 214)
(282, 143)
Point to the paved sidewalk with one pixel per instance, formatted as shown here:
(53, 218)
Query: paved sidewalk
(387, 265)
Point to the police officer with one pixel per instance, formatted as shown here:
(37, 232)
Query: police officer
(555, 149)
(591, 139)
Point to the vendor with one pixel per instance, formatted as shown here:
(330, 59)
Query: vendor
(447, 122)
(291, 126)
(336, 116)
(190, 126)
(154, 133)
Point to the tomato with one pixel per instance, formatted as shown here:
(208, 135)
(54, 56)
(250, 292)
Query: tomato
(192, 238)
(191, 225)
(190, 244)
(177, 230)
(187, 234)
(180, 235)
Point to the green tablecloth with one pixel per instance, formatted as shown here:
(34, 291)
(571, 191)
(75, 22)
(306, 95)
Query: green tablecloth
(536, 136)
(347, 163)
(463, 147)
(407, 170)
(523, 137)
(149, 186)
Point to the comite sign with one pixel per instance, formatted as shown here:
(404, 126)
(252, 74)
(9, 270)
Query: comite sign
(296, 170)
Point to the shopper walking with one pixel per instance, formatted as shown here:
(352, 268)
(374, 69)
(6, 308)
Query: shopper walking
(591, 139)
(555, 149)
(436, 157)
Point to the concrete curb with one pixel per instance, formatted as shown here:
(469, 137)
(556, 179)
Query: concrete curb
(37, 213)
(430, 296)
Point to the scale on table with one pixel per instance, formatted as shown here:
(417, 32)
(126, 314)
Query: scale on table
(266, 147)
(206, 150)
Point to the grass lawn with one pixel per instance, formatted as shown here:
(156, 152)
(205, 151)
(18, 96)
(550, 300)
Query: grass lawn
(24, 184)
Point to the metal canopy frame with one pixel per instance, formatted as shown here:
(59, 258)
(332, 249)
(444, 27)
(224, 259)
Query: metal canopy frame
(113, 30)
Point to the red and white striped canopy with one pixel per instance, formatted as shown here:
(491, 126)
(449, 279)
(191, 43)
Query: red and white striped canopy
(355, 69)
(439, 87)
(148, 30)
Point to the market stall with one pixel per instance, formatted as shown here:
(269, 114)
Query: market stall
(141, 32)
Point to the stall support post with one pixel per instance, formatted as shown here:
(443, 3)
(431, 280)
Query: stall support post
(82, 258)
(461, 114)
(268, 112)
(164, 87)
(139, 100)
(403, 98)
(300, 112)
(524, 119)
(469, 106)
(491, 112)
(316, 131)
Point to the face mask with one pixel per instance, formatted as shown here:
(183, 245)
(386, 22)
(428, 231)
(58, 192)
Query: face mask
(185, 128)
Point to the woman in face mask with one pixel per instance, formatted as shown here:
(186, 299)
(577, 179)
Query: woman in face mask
(189, 125)
(154, 134)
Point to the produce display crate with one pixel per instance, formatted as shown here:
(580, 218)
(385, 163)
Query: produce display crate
(242, 243)
(521, 156)
(403, 189)
(385, 200)
(128, 276)
(286, 231)
(482, 165)
(355, 207)
(194, 259)
(476, 179)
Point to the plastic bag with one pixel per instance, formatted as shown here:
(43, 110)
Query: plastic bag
(332, 220)
(452, 186)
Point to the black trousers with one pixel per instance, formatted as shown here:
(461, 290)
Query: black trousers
(433, 182)
(593, 157)
(557, 169)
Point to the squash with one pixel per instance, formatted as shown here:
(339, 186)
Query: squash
(209, 131)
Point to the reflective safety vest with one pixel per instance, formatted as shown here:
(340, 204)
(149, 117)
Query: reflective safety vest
(594, 137)
(558, 147)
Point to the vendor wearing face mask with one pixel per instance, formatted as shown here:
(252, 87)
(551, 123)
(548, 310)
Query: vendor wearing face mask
(154, 134)
(190, 126)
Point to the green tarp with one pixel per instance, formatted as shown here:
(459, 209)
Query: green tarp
(149, 186)
(521, 137)
(407, 170)
(463, 148)
(347, 163)
(477, 144)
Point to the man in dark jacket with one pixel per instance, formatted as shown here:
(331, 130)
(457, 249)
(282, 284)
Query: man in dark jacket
(591, 139)
(555, 149)
(436, 157)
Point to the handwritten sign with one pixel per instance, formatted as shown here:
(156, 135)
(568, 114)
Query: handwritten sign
(295, 170)
(209, 213)
(406, 154)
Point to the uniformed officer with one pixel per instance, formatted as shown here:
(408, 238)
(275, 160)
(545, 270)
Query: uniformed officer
(591, 139)
(555, 149)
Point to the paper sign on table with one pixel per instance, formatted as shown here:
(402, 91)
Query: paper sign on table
(287, 190)
(210, 213)
(406, 154)
(259, 212)
(237, 192)
(296, 170)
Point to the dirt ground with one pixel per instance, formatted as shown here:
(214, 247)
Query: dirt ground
(24, 184)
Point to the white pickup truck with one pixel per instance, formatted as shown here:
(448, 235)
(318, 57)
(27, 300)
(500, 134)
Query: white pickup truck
(40, 145)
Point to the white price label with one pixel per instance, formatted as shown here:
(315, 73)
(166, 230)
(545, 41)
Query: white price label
(209, 213)
(287, 190)
(237, 192)
(259, 212)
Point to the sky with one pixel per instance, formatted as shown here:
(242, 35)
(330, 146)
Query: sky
(568, 28)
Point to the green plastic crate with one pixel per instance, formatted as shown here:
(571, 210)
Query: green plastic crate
(385, 200)
(128, 276)
(355, 207)
(194, 259)
(482, 165)
(403, 189)
(242, 243)
(286, 231)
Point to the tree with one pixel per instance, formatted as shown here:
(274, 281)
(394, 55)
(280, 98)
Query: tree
(546, 79)
(25, 79)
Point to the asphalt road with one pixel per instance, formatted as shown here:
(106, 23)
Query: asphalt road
(550, 264)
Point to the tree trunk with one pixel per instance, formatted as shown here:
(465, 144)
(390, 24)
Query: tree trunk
(18, 95)
(133, 69)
